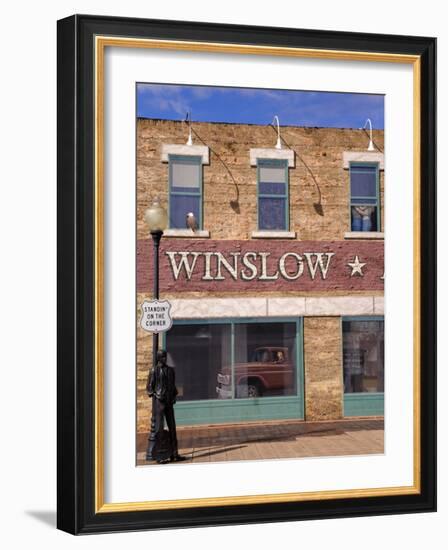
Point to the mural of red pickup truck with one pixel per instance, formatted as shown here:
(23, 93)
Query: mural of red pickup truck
(269, 372)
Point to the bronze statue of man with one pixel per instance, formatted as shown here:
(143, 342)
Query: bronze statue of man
(161, 387)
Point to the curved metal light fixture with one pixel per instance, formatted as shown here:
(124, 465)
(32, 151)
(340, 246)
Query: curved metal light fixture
(188, 121)
(279, 143)
(371, 147)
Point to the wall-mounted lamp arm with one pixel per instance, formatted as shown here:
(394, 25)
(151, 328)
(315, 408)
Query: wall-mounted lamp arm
(371, 147)
(279, 143)
(188, 121)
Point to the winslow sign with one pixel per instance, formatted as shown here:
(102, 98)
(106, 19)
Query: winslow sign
(197, 265)
(249, 266)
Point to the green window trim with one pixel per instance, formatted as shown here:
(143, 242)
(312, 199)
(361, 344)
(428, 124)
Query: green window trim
(352, 169)
(362, 318)
(273, 163)
(185, 159)
(357, 404)
(360, 404)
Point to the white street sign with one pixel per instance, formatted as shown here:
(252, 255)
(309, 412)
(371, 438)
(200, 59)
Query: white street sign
(156, 316)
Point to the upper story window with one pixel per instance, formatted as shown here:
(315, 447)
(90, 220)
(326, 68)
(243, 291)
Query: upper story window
(364, 197)
(273, 207)
(185, 190)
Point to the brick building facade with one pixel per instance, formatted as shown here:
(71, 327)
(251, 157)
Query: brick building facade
(285, 270)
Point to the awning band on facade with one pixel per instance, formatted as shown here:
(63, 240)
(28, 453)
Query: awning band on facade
(208, 308)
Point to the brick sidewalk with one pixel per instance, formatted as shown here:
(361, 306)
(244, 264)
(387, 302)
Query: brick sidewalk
(283, 439)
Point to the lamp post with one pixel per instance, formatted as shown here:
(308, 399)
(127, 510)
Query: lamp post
(156, 219)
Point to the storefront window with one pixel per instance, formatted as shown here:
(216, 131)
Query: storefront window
(363, 343)
(233, 360)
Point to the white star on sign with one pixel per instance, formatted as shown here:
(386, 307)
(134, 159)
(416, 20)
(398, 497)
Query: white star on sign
(356, 266)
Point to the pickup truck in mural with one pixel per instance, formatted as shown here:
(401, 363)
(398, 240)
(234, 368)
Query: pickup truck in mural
(269, 372)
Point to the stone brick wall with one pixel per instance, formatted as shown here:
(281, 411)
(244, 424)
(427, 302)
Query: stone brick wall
(318, 185)
(323, 369)
(319, 211)
(144, 362)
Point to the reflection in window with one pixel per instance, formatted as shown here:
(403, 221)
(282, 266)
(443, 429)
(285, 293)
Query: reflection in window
(264, 359)
(233, 360)
(364, 208)
(363, 352)
(199, 353)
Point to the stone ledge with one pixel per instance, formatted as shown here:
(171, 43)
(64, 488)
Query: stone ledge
(372, 235)
(339, 306)
(187, 233)
(362, 156)
(209, 308)
(286, 307)
(185, 150)
(323, 306)
(273, 235)
(275, 154)
(378, 305)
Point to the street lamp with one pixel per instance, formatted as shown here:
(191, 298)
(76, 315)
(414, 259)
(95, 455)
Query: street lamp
(156, 219)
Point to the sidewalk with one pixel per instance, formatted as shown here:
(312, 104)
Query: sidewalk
(281, 439)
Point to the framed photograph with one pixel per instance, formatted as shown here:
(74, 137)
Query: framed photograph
(246, 274)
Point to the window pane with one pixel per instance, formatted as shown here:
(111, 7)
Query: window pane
(271, 174)
(180, 206)
(272, 213)
(363, 181)
(185, 176)
(363, 343)
(272, 188)
(199, 353)
(265, 359)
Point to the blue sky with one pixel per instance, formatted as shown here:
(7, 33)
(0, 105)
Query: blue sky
(258, 106)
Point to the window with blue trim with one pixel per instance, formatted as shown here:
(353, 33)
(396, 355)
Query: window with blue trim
(185, 190)
(273, 207)
(364, 197)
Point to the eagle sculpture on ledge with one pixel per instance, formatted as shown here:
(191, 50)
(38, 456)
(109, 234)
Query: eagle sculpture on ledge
(191, 222)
